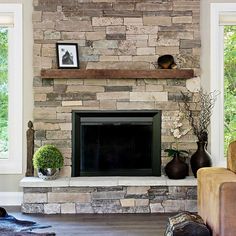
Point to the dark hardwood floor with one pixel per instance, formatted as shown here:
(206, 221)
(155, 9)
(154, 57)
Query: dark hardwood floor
(100, 225)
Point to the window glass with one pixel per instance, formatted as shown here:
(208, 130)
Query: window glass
(3, 93)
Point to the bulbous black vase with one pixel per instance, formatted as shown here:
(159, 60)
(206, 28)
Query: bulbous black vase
(201, 158)
(176, 168)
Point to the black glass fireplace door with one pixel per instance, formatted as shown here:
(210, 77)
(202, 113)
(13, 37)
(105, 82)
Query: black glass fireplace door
(116, 144)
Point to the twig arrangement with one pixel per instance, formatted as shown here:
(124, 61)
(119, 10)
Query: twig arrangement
(200, 120)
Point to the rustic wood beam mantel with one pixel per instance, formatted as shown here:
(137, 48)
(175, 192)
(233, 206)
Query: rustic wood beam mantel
(117, 74)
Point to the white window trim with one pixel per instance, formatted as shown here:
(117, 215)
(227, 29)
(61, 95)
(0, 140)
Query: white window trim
(13, 165)
(217, 79)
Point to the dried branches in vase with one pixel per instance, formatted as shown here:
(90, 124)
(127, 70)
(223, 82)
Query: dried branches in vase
(200, 120)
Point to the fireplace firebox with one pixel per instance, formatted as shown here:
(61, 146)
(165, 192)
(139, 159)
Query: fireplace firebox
(120, 143)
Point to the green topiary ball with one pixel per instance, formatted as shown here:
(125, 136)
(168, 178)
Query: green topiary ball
(48, 156)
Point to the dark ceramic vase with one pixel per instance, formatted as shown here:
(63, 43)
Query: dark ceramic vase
(176, 168)
(201, 158)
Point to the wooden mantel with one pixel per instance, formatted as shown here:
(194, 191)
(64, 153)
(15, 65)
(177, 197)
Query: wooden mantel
(116, 74)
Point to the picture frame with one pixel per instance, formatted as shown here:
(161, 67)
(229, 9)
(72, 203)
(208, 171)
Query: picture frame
(67, 55)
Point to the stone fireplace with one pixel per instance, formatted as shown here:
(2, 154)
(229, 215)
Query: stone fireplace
(119, 43)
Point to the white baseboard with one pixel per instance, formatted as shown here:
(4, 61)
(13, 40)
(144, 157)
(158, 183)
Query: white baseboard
(11, 198)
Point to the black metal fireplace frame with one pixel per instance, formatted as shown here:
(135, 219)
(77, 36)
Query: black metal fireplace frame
(155, 116)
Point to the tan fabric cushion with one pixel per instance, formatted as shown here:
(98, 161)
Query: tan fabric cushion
(231, 159)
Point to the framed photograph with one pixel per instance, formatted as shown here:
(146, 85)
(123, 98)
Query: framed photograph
(67, 55)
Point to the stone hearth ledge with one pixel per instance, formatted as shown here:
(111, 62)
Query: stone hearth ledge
(107, 182)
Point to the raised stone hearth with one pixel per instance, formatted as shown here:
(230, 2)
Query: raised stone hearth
(109, 195)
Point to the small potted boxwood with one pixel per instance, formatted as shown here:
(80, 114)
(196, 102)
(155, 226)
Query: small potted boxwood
(48, 160)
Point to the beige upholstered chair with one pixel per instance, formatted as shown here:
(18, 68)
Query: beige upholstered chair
(217, 196)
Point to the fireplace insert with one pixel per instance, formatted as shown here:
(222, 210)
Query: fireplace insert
(122, 143)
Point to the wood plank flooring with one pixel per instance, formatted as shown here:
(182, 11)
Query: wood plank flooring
(100, 225)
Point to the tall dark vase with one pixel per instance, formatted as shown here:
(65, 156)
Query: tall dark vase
(201, 158)
(176, 168)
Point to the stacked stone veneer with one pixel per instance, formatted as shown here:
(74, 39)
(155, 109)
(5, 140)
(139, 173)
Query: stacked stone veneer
(112, 34)
(120, 199)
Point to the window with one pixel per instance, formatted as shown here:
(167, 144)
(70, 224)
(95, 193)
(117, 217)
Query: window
(10, 88)
(223, 19)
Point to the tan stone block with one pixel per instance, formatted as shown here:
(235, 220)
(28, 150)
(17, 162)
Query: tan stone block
(85, 88)
(146, 51)
(45, 113)
(52, 16)
(67, 160)
(191, 205)
(156, 208)
(167, 50)
(58, 134)
(38, 97)
(154, 87)
(118, 65)
(135, 37)
(48, 50)
(133, 21)
(73, 81)
(135, 105)
(65, 171)
(194, 84)
(91, 103)
(106, 44)
(45, 25)
(162, 41)
(141, 44)
(64, 116)
(182, 19)
(71, 103)
(69, 197)
(108, 105)
(99, 35)
(52, 35)
(137, 190)
(125, 58)
(37, 16)
(121, 82)
(68, 208)
(95, 82)
(139, 88)
(136, 29)
(130, 202)
(37, 49)
(186, 5)
(148, 96)
(173, 205)
(141, 202)
(152, 40)
(46, 126)
(145, 58)
(109, 58)
(35, 197)
(106, 21)
(113, 95)
(52, 208)
(38, 34)
(115, 30)
(73, 26)
(46, 62)
(72, 35)
(157, 20)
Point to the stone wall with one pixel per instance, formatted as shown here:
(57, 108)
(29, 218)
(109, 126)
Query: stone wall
(114, 34)
(118, 33)
(120, 199)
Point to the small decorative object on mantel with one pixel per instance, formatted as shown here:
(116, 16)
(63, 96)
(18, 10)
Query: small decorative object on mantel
(48, 160)
(166, 62)
(199, 123)
(30, 150)
(177, 168)
(67, 55)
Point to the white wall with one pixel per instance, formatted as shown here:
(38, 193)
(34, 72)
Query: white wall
(10, 183)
